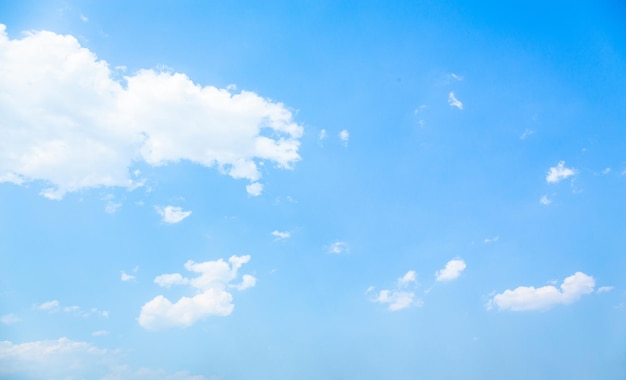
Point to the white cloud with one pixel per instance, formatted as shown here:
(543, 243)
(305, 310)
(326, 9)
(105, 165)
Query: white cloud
(451, 271)
(211, 298)
(126, 277)
(456, 77)
(100, 333)
(454, 102)
(344, 136)
(49, 306)
(606, 171)
(526, 134)
(323, 134)
(167, 280)
(544, 200)
(69, 124)
(338, 247)
(398, 299)
(55, 306)
(9, 319)
(64, 358)
(530, 298)
(408, 278)
(559, 172)
(172, 214)
(491, 240)
(254, 189)
(604, 289)
(281, 235)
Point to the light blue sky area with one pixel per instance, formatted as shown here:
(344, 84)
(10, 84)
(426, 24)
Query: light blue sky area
(322, 190)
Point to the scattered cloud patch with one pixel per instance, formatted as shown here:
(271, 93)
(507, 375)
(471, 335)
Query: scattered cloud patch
(9, 319)
(344, 136)
(525, 298)
(604, 289)
(409, 278)
(100, 333)
(559, 172)
(254, 189)
(323, 134)
(54, 306)
(172, 214)
(400, 297)
(456, 77)
(451, 271)
(97, 127)
(211, 296)
(606, 171)
(64, 358)
(544, 200)
(491, 240)
(84, 18)
(126, 277)
(454, 102)
(338, 247)
(281, 235)
(527, 132)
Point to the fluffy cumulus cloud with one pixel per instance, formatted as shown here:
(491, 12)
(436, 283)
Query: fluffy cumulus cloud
(172, 214)
(451, 271)
(400, 297)
(211, 298)
(454, 102)
(64, 358)
(530, 298)
(68, 123)
(559, 172)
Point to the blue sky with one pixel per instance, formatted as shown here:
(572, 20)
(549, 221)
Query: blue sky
(312, 190)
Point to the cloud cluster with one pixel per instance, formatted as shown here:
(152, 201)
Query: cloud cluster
(68, 123)
(64, 358)
(212, 296)
(338, 247)
(525, 298)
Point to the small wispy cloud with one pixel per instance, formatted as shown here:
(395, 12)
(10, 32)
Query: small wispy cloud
(338, 247)
(456, 77)
(527, 132)
(344, 136)
(100, 333)
(280, 235)
(323, 134)
(454, 102)
(126, 277)
(54, 306)
(172, 214)
(491, 240)
(559, 172)
(9, 319)
(84, 18)
(545, 200)
(604, 289)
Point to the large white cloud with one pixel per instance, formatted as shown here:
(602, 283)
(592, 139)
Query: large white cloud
(67, 122)
(212, 297)
(64, 358)
(530, 298)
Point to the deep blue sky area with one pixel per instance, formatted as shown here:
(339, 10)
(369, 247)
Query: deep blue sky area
(312, 190)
